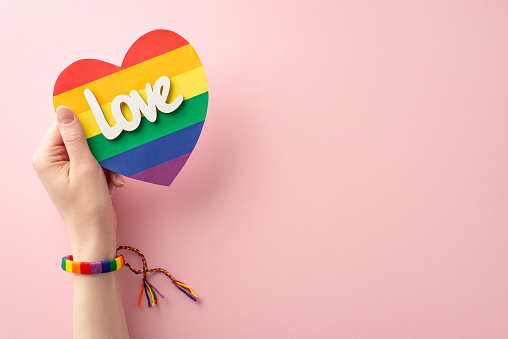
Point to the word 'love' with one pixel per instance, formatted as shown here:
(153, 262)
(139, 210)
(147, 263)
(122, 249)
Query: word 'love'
(155, 99)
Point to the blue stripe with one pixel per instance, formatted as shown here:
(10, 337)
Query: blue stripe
(105, 266)
(155, 152)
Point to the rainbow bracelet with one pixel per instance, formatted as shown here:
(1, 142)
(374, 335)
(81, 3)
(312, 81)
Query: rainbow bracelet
(112, 265)
(92, 267)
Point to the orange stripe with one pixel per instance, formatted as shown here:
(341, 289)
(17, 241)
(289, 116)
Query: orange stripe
(76, 267)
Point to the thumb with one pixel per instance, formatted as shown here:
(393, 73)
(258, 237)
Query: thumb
(73, 135)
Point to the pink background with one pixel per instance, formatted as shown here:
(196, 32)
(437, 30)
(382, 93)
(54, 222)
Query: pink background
(351, 180)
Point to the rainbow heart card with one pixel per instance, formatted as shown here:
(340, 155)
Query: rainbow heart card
(141, 119)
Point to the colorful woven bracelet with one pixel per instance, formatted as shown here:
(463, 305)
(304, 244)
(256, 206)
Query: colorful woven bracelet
(92, 267)
(117, 263)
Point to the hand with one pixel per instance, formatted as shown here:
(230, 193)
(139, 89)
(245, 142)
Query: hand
(79, 187)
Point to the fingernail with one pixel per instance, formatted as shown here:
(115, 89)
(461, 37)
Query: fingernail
(119, 178)
(64, 115)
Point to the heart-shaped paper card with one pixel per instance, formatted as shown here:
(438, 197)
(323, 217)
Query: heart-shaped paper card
(142, 119)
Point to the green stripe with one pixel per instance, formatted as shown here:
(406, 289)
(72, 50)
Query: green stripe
(190, 112)
(64, 261)
(112, 265)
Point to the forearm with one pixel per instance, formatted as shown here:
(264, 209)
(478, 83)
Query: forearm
(98, 310)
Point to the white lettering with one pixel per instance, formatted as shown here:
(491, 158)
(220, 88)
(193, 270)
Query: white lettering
(155, 100)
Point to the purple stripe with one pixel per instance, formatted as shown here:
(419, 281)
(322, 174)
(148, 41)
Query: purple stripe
(165, 173)
(96, 268)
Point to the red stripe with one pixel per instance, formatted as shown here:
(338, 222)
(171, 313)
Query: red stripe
(148, 46)
(152, 44)
(82, 72)
(85, 268)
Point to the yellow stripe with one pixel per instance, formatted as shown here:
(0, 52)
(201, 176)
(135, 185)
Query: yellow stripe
(173, 63)
(68, 265)
(188, 84)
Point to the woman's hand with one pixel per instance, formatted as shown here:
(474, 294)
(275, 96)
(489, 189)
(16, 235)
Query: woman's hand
(81, 191)
(79, 187)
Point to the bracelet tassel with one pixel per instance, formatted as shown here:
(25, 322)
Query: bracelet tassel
(150, 290)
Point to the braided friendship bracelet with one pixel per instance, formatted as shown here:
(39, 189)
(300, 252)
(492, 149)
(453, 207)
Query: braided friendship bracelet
(98, 267)
(150, 290)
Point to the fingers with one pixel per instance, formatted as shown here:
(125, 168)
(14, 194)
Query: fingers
(118, 180)
(111, 189)
(49, 145)
(73, 136)
(52, 137)
(114, 180)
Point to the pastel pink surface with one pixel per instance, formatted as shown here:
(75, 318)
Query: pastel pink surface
(351, 181)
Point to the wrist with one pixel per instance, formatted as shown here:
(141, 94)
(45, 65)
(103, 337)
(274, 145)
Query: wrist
(92, 246)
(93, 252)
